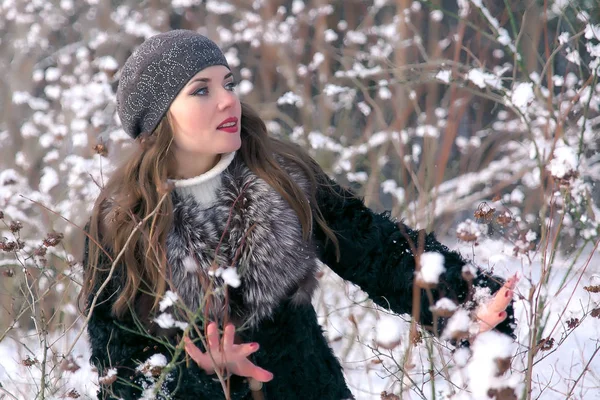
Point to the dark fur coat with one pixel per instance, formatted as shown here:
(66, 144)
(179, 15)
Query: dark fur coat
(262, 239)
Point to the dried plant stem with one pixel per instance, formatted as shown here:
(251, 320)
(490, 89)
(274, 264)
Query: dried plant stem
(583, 372)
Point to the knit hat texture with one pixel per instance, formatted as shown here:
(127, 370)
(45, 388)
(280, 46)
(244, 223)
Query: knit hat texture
(155, 73)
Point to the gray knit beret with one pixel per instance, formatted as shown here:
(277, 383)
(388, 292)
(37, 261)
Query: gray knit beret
(155, 73)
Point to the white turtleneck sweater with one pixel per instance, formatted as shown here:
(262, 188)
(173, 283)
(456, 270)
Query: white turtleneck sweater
(204, 187)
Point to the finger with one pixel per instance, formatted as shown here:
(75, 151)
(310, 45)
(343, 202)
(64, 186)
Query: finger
(248, 369)
(511, 283)
(228, 336)
(202, 359)
(212, 336)
(261, 375)
(245, 350)
(489, 321)
(501, 300)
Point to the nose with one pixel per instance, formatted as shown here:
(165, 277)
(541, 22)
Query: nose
(227, 99)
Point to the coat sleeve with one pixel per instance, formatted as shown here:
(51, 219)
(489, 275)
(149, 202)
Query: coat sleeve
(376, 255)
(116, 345)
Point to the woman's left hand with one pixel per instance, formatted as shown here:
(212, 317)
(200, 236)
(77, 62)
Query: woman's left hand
(491, 314)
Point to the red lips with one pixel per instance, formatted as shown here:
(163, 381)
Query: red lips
(229, 125)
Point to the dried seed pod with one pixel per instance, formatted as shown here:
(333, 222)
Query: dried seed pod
(572, 323)
(69, 364)
(16, 226)
(8, 245)
(101, 149)
(53, 239)
(466, 236)
(546, 344)
(73, 394)
(389, 396)
(506, 393)
(503, 365)
(484, 212)
(417, 338)
(108, 379)
(28, 362)
(504, 219)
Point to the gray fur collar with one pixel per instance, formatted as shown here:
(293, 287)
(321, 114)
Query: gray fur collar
(262, 240)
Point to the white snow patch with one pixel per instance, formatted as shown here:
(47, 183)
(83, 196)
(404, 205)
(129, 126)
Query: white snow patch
(563, 163)
(166, 321)
(388, 330)
(459, 323)
(522, 95)
(445, 304)
(432, 266)
(168, 300)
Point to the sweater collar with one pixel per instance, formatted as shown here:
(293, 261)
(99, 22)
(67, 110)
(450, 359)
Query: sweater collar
(204, 187)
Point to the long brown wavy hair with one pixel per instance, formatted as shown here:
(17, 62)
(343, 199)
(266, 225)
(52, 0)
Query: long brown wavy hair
(136, 195)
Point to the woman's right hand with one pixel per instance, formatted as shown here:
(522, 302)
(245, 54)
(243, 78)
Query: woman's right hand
(232, 357)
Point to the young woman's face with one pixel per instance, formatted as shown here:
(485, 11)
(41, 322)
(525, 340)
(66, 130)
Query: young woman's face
(206, 117)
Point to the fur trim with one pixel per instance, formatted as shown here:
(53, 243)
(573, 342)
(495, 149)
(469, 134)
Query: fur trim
(251, 228)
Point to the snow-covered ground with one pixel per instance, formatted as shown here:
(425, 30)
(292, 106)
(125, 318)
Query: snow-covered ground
(355, 329)
(554, 372)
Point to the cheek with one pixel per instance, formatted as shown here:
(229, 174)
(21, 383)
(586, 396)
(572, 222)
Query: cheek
(194, 121)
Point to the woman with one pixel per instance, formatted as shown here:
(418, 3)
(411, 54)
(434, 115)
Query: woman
(244, 206)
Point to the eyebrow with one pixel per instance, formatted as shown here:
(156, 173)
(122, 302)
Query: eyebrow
(229, 75)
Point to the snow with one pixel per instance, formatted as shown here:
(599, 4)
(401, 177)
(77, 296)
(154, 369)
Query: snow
(388, 331)
(564, 162)
(297, 6)
(445, 304)
(67, 104)
(458, 325)
(290, 98)
(169, 299)
(48, 180)
(432, 266)
(245, 87)
(219, 7)
(189, 264)
(166, 321)
(330, 35)
(229, 275)
(573, 56)
(157, 360)
(444, 75)
(437, 15)
(563, 38)
(488, 348)
(522, 95)
(483, 79)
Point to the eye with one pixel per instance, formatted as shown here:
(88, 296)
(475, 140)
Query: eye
(231, 86)
(203, 91)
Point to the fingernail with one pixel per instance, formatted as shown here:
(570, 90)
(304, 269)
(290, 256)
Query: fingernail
(254, 346)
(501, 314)
(508, 293)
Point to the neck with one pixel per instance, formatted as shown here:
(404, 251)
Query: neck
(190, 165)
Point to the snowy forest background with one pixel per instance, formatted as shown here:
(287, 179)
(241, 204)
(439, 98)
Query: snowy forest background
(479, 119)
